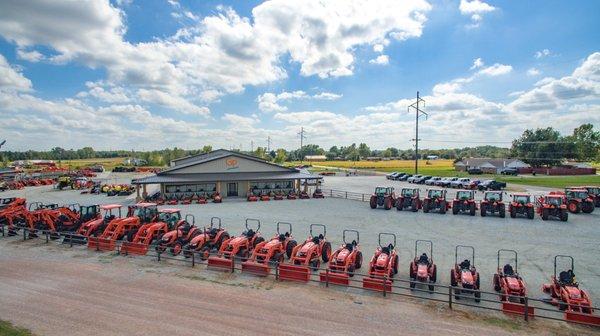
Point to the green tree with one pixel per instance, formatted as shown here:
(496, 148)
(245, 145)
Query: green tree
(363, 150)
(207, 149)
(586, 142)
(280, 156)
(540, 147)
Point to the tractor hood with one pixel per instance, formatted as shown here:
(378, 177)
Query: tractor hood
(344, 253)
(382, 260)
(272, 243)
(307, 247)
(422, 270)
(238, 240)
(573, 292)
(466, 277)
(513, 283)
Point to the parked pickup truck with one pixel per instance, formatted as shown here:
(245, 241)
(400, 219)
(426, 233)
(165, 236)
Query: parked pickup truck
(491, 185)
(432, 181)
(460, 182)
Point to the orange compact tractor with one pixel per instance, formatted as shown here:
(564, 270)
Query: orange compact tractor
(10, 210)
(492, 204)
(251, 196)
(307, 256)
(121, 228)
(464, 202)
(566, 294)
(383, 196)
(318, 193)
(383, 266)
(270, 253)
(304, 195)
(216, 198)
(292, 195)
(511, 286)
(207, 241)
(264, 196)
(436, 201)
(94, 227)
(464, 276)
(236, 248)
(422, 269)
(594, 194)
(344, 261)
(278, 195)
(10, 202)
(409, 199)
(152, 232)
(521, 204)
(552, 206)
(179, 236)
(579, 200)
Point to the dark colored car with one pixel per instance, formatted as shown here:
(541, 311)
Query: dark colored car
(491, 185)
(475, 171)
(509, 171)
(422, 179)
(405, 177)
(399, 176)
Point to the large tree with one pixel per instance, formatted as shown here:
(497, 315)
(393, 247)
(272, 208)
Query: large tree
(540, 147)
(586, 142)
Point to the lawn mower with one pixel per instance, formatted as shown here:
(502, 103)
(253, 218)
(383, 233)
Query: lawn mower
(511, 286)
(594, 193)
(344, 261)
(383, 266)
(521, 204)
(64, 182)
(264, 196)
(409, 198)
(204, 242)
(251, 196)
(492, 204)
(216, 198)
(464, 202)
(152, 232)
(307, 256)
(292, 195)
(278, 195)
(383, 196)
(464, 276)
(123, 228)
(565, 293)
(318, 193)
(578, 200)
(552, 206)
(236, 248)
(436, 201)
(94, 226)
(270, 253)
(422, 269)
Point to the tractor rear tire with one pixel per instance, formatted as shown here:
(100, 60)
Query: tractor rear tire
(496, 283)
(513, 212)
(395, 263)
(483, 210)
(289, 249)
(574, 207)
(472, 212)
(358, 261)
(455, 208)
(530, 213)
(351, 270)
(502, 211)
(587, 207)
(544, 214)
(413, 206)
(373, 202)
(425, 206)
(564, 215)
(477, 296)
(387, 203)
(326, 252)
(453, 281)
(399, 204)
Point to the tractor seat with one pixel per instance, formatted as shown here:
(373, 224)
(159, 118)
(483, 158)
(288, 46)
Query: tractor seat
(423, 259)
(212, 232)
(281, 237)
(316, 239)
(566, 277)
(250, 233)
(349, 246)
(466, 264)
(508, 270)
(185, 228)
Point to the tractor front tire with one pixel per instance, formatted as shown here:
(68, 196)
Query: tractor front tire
(496, 283)
(502, 211)
(326, 252)
(373, 202)
(387, 203)
(530, 213)
(574, 207)
(564, 215)
(358, 261)
(425, 206)
(413, 206)
(472, 212)
(455, 208)
(289, 249)
(483, 210)
(513, 212)
(587, 207)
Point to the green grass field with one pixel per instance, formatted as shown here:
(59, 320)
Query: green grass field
(108, 163)
(8, 329)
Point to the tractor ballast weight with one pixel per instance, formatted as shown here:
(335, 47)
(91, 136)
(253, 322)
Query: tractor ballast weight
(267, 254)
(521, 205)
(464, 202)
(236, 248)
(383, 196)
(511, 286)
(554, 206)
(422, 269)
(383, 266)
(464, 277)
(409, 199)
(344, 261)
(307, 256)
(436, 201)
(492, 204)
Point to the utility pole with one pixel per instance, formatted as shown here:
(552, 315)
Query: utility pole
(302, 137)
(418, 113)
(269, 144)
(252, 146)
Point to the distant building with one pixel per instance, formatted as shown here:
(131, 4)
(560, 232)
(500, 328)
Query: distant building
(492, 166)
(374, 158)
(315, 157)
(432, 157)
(135, 162)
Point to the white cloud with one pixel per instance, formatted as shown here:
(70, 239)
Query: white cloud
(237, 120)
(32, 56)
(327, 96)
(103, 93)
(496, 70)
(477, 63)
(457, 84)
(533, 72)
(11, 78)
(378, 47)
(173, 102)
(475, 9)
(269, 102)
(380, 60)
(542, 53)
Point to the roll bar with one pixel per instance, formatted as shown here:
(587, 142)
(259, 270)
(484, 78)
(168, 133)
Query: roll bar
(467, 248)
(383, 234)
(193, 219)
(289, 225)
(351, 231)
(318, 225)
(426, 242)
(508, 251)
(213, 220)
(255, 221)
(561, 256)
(35, 205)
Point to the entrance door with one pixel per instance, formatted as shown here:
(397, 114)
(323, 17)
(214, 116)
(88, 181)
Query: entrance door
(232, 189)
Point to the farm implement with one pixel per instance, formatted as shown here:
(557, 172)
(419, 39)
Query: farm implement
(422, 268)
(511, 286)
(409, 199)
(383, 196)
(521, 205)
(94, 226)
(436, 201)
(307, 256)
(152, 232)
(205, 242)
(492, 204)
(344, 261)
(383, 266)
(464, 276)
(464, 202)
(267, 254)
(236, 248)
(552, 206)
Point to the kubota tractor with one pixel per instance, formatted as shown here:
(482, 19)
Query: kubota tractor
(95, 226)
(422, 268)
(464, 276)
(464, 202)
(521, 204)
(383, 266)
(236, 248)
(318, 193)
(216, 198)
(207, 241)
(436, 201)
(251, 196)
(383, 196)
(264, 196)
(179, 236)
(552, 206)
(9, 202)
(578, 200)
(64, 182)
(344, 261)
(152, 232)
(307, 256)
(409, 199)
(304, 195)
(511, 286)
(271, 253)
(292, 195)
(492, 204)
(594, 193)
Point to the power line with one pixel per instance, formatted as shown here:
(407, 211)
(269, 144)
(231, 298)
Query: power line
(418, 113)
(269, 143)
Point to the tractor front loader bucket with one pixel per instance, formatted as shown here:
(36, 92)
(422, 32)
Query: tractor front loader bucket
(220, 264)
(335, 278)
(294, 272)
(101, 244)
(589, 319)
(134, 248)
(377, 284)
(517, 308)
(75, 239)
(255, 268)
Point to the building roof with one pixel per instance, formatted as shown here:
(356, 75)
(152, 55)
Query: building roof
(489, 163)
(238, 176)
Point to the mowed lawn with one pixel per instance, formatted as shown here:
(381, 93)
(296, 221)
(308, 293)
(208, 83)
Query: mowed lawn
(108, 163)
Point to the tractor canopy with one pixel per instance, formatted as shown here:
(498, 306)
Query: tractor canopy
(464, 195)
(521, 198)
(553, 200)
(169, 216)
(493, 196)
(381, 191)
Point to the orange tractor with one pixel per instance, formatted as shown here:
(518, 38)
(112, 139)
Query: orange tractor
(464, 202)
(10, 209)
(95, 226)
(292, 195)
(511, 286)
(344, 261)
(6, 203)
(422, 268)
(436, 201)
(318, 193)
(464, 277)
(204, 242)
(124, 228)
(152, 232)
(552, 206)
(594, 194)
(270, 253)
(67, 219)
(521, 204)
(251, 196)
(492, 204)
(236, 248)
(383, 196)
(178, 236)
(383, 266)
(307, 256)
(578, 200)
(409, 199)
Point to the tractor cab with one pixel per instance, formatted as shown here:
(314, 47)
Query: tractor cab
(4, 202)
(521, 199)
(109, 211)
(144, 211)
(409, 193)
(436, 193)
(578, 194)
(88, 212)
(465, 195)
(382, 191)
(169, 216)
(383, 196)
(553, 200)
(493, 196)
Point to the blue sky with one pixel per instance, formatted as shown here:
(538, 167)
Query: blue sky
(155, 74)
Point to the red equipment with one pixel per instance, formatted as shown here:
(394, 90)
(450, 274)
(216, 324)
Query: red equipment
(594, 193)
(120, 228)
(278, 196)
(383, 266)
(464, 276)
(409, 198)
(304, 195)
(464, 202)
(292, 195)
(344, 261)
(511, 287)
(307, 256)
(521, 204)
(236, 247)
(216, 198)
(436, 201)
(566, 294)
(578, 200)
(251, 197)
(265, 196)
(271, 253)
(318, 193)
(492, 203)
(552, 206)
(422, 268)
(94, 226)
(206, 241)
(165, 221)
(383, 196)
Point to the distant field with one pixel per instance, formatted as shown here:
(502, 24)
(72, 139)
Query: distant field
(108, 163)
(553, 181)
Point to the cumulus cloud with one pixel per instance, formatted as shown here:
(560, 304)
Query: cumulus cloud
(380, 60)
(475, 9)
(11, 78)
(477, 63)
(269, 102)
(533, 72)
(542, 53)
(457, 84)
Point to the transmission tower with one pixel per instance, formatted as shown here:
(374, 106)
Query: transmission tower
(418, 113)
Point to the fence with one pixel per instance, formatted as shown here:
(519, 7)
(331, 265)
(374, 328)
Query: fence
(346, 195)
(525, 307)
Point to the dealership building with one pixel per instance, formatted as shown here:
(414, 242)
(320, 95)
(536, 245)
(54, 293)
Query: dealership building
(230, 173)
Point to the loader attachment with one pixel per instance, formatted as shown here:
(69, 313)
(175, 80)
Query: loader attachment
(516, 308)
(377, 284)
(219, 263)
(101, 244)
(294, 272)
(74, 239)
(335, 278)
(589, 319)
(134, 248)
(255, 268)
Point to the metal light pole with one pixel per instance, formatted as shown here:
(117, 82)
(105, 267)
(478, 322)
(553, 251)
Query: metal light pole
(418, 113)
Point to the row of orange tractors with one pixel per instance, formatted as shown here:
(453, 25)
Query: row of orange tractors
(254, 196)
(17, 185)
(556, 204)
